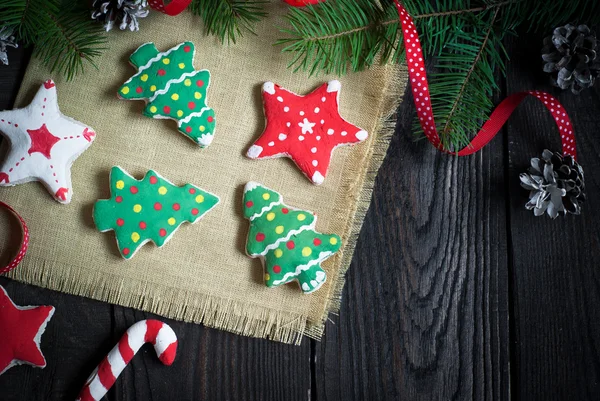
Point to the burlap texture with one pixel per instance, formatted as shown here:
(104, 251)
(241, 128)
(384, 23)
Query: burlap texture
(202, 275)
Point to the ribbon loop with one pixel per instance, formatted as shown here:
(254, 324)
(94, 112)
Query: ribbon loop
(24, 242)
(422, 99)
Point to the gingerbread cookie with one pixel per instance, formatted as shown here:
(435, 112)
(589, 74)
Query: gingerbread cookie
(304, 128)
(151, 209)
(172, 89)
(285, 240)
(43, 144)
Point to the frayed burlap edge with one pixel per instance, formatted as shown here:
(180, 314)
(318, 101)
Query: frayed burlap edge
(225, 314)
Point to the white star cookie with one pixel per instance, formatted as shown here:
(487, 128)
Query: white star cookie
(43, 144)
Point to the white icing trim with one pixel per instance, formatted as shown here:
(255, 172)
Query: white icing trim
(265, 209)
(275, 245)
(269, 87)
(362, 135)
(174, 81)
(250, 185)
(156, 58)
(205, 139)
(194, 114)
(301, 268)
(317, 178)
(334, 86)
(254, 151)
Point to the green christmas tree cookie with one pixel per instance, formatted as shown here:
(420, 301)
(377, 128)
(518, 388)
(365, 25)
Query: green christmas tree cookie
(172, 89)
(285, 239)
(151, 209)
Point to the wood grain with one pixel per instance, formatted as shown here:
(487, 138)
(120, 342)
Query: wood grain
(555, 262)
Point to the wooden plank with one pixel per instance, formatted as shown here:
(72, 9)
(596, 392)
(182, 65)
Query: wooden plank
(555, 262)
(425, 308)
(210, 365)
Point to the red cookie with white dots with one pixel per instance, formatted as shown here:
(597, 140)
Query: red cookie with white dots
(304, 128)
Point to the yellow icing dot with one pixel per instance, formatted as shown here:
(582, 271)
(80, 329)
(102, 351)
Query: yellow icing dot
(181, 65)
(137, 208)
(171, 221)
(153, 88)
(202, 128)
(333, 240)
(278, 253)
(279, 229)
(144, 77)
(187, 82)
(135, 237)
(166, 60)
(199, 199)
(152, 109)
(267, 277)
(301, 217)
(125, 90)
(162, 190)
(179, 113)
(175, 96)
(270, 216)
(266, 196)
(120, 184)
(198, 95)
(306, 251)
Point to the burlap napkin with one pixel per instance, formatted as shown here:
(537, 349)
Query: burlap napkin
(202, 275)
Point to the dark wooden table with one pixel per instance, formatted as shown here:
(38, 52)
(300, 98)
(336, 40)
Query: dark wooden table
(455, 292)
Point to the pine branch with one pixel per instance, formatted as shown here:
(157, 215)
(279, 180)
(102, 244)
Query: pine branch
(228, 19)
(62, 32)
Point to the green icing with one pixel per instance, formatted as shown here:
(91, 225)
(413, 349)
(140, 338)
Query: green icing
(298, 257)
(148, 209)
(173, 89)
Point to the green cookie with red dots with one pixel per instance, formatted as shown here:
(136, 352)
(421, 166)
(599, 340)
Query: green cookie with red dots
(284, 238)
(172, 89)
(151, 209)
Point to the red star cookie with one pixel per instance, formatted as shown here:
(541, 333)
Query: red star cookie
(43, 144)
(22, 328)
(304, 128)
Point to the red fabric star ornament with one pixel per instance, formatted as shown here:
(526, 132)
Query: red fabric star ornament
(22, 328)
(304, 128)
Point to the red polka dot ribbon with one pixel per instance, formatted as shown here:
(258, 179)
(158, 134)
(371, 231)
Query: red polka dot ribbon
(172, 7)
(420, 88)
(24, 243)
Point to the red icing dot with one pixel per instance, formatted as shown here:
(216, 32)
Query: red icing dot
(162, 232)
(317, 241)
(187, 49)
(166, 109)
(133, 189)
(161, 72)
(260, 237)
(16, 125)
(290, 245)
(157, 206)
(249, 204)
(188, 129)
(125, 251)
(285, 210)
(143, 225)
(120, 222)
(176, 206)
(139, 89)
(210, 119)
(153, 180)
(119, 199)
(191, 105)
(195, 211)
(276, 269)
(200, 82)
(192, 191)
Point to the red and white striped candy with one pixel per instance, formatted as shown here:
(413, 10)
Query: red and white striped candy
(146, 331)
(24, 242)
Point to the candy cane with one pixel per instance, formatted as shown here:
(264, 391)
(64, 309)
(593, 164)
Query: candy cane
(146, 331)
